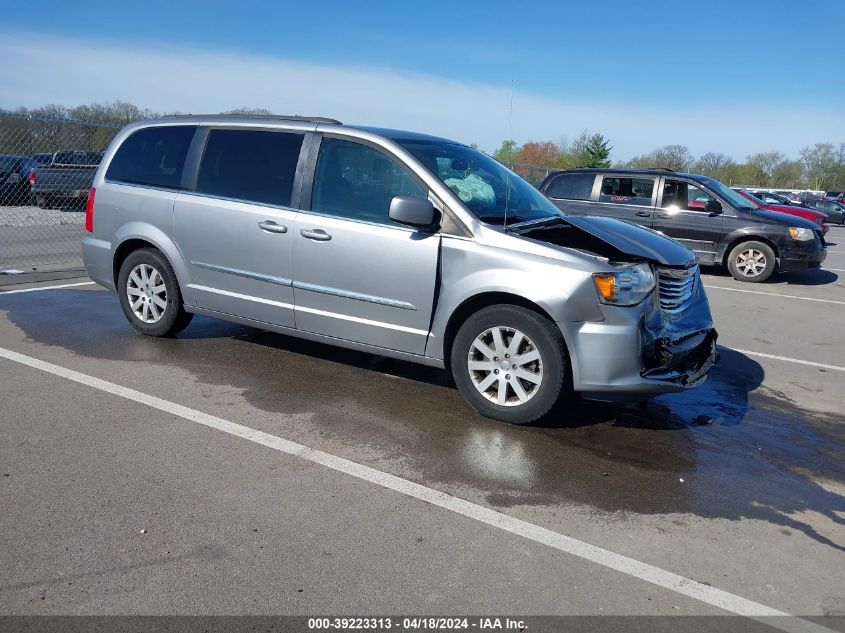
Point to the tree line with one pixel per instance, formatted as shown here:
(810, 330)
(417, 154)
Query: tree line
(92, 126)
(820, 167)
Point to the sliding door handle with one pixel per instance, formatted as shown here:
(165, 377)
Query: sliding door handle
(318, 235)
(272, 227)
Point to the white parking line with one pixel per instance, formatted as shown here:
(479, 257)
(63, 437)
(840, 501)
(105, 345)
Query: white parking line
(773, 294)
(13, 292)
(634, 568)
(836, 270)
(787, 359)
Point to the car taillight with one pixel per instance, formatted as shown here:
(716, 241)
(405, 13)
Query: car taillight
(89, 211)
(31, 176)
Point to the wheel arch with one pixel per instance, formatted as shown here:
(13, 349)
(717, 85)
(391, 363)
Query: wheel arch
(138, 235)
(473, 304)
(748, 238)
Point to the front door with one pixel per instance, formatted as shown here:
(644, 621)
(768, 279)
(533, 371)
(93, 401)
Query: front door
(682, 215)
(236, 230)
(358, 276)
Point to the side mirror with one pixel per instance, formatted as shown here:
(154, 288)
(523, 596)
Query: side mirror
(713, 207)
(413, 211)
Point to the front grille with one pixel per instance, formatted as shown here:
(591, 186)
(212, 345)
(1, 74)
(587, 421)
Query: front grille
(676, 287)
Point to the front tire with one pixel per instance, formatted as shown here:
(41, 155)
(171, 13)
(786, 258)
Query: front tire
(149, 294)
(509, 363)
(752, 261)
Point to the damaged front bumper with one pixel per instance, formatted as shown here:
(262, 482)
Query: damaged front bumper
(642, 351)
(685, 361)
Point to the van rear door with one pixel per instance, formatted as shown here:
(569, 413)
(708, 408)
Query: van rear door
(626, 197)
(235, 229)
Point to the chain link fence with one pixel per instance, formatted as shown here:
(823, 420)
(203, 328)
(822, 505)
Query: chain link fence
(46, 169)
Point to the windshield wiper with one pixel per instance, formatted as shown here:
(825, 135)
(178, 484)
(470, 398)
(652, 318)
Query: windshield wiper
(519, 221)
(551, 219)
(498, 219)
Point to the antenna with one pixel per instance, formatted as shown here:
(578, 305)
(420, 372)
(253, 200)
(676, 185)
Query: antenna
(507, 173)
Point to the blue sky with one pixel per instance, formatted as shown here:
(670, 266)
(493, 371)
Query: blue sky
(726, 76)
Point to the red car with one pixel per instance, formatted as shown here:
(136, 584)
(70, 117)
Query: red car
(802, 212)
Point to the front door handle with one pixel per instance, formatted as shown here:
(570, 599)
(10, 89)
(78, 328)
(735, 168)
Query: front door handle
(272, 227)
(643, 214)
(315, 234)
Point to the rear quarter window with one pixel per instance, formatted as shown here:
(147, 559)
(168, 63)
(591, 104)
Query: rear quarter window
(571, 187)
(152, 156)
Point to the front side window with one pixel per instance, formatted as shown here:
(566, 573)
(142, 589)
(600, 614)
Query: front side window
(571, 187)
(626, 190)
(358, 182)
(680, 195)
(253, 165)
(152, 156)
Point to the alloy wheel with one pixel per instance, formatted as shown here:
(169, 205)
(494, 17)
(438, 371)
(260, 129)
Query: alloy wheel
(147, 293)
(751, 262)
(505, 366)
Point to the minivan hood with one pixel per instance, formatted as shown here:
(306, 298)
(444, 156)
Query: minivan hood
(624, 237)
(785, 218)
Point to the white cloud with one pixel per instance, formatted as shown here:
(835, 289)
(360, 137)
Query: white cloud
(40, 69)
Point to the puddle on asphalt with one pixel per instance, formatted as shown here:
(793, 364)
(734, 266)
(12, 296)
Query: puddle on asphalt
(760, 456)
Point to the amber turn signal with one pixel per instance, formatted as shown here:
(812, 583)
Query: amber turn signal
(606, 285)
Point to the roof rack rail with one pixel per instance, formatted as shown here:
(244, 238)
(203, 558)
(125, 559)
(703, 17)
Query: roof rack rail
(671, 171)
(281, 117)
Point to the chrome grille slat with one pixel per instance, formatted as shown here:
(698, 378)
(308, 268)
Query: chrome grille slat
(675, 287)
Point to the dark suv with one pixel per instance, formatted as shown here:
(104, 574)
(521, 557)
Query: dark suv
(716, 223)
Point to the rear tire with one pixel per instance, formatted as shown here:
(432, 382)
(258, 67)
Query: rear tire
(149, 294)
(509, 363)
(752, 261)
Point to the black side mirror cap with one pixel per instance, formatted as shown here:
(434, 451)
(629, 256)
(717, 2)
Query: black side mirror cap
(414, 211)
(713, 207)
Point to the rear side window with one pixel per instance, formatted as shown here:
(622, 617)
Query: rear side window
(571, 187)
(253, 165)
(152, 156)
(627, 190)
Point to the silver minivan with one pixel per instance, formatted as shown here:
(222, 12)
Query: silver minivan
(398, 244)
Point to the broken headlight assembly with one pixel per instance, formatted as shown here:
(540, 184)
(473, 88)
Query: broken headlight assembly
(626, 287)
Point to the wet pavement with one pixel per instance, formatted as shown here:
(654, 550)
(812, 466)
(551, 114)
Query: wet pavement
(739, 484)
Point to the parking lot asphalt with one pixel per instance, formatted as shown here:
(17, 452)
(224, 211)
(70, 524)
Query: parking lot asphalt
(31, 236)
(120, 506)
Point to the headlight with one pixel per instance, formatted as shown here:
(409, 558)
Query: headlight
(627, 287)
(802, 235)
